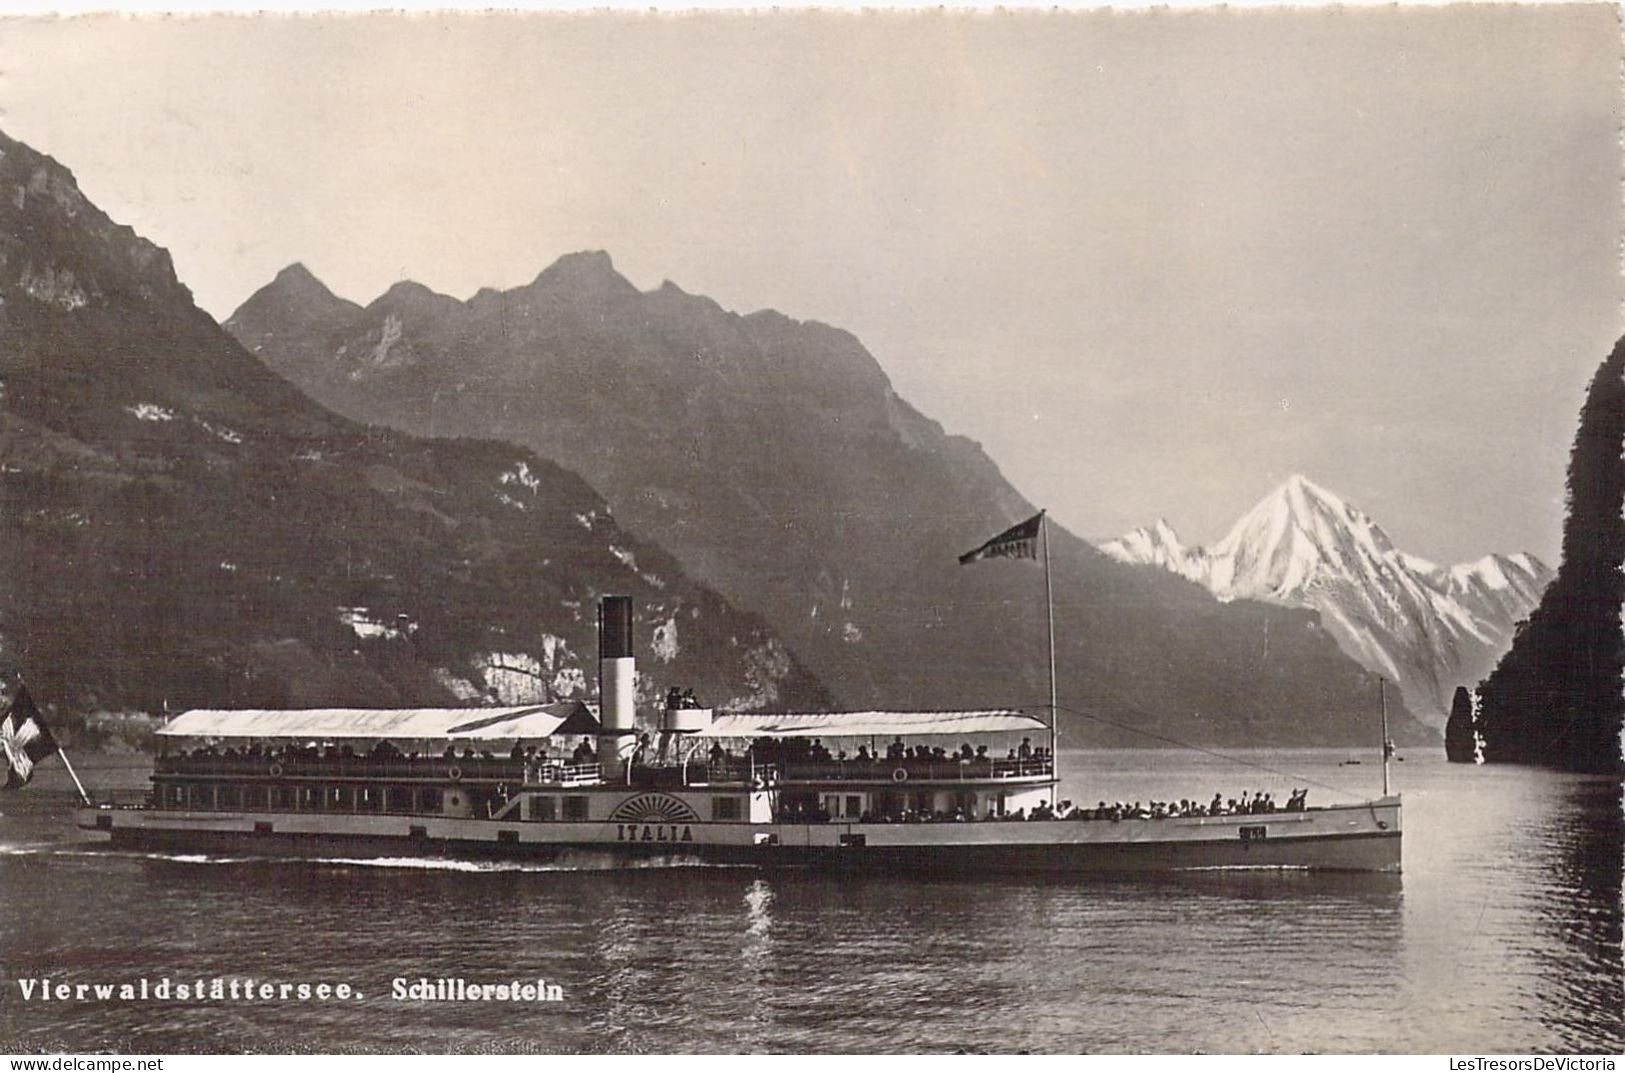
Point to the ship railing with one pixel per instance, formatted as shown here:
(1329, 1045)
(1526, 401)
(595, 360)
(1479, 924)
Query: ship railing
(732, 770)
(912, 770)
(567, 775)
(122, 799)
(724, 771)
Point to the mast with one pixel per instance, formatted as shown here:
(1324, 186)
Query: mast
(75, 776)
(1049, 604)
(1387, 746)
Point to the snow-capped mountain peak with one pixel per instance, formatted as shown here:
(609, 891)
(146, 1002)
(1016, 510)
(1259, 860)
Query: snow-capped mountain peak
(1400, 615)
(1295, 536)
(1157, 544)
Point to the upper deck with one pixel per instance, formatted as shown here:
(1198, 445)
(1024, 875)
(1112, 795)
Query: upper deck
(532, 747)
(341, 765)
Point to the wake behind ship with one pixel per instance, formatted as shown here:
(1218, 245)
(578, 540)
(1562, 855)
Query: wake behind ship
(842, 790)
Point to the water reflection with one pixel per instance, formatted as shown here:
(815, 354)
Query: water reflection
(756, 957)
(1583, 915)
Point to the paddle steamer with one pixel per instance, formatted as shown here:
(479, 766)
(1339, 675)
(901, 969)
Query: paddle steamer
(847, 790)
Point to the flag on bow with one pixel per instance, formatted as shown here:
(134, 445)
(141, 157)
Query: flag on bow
(1016, 542)
(24, 741)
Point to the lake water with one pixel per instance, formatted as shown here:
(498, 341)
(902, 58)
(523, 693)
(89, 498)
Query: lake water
(1503, 934)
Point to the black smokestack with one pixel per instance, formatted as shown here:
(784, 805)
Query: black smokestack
(615, 627)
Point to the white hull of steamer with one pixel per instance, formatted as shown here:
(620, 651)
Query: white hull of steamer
(1356, 838)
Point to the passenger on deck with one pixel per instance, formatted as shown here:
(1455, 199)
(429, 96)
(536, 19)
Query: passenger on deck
(674, 697)
(981, 752)
(863, 754)
(896, 750)
(688, 699)
(1026, 750)
(966, 752)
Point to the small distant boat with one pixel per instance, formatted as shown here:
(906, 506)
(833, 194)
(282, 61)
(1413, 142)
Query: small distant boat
(1349, 763)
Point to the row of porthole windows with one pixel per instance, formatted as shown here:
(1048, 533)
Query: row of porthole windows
(357, 799)
(575, 808)
(545, 809)
(229, 796)
(362, 799)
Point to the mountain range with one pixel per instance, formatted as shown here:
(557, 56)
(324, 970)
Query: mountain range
(181, 526)
(775, 461)
(1428, 628)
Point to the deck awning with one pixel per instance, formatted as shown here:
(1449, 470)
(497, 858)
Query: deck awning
(531, 722)
(869, 724)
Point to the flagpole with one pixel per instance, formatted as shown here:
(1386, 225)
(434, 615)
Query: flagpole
(1049, 605)
(73, 775)
(1387, 746)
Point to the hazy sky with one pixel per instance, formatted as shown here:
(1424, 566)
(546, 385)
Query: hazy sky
(1154, 262)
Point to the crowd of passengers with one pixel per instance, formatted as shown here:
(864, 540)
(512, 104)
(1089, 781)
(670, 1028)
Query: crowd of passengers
(813, 751)
(766, 751)
(681, 698)
(1246, 805)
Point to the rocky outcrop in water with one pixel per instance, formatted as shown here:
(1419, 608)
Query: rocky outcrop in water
(1461, 730)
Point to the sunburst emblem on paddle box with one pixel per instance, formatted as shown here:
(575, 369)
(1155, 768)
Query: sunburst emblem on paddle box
(654, 808)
